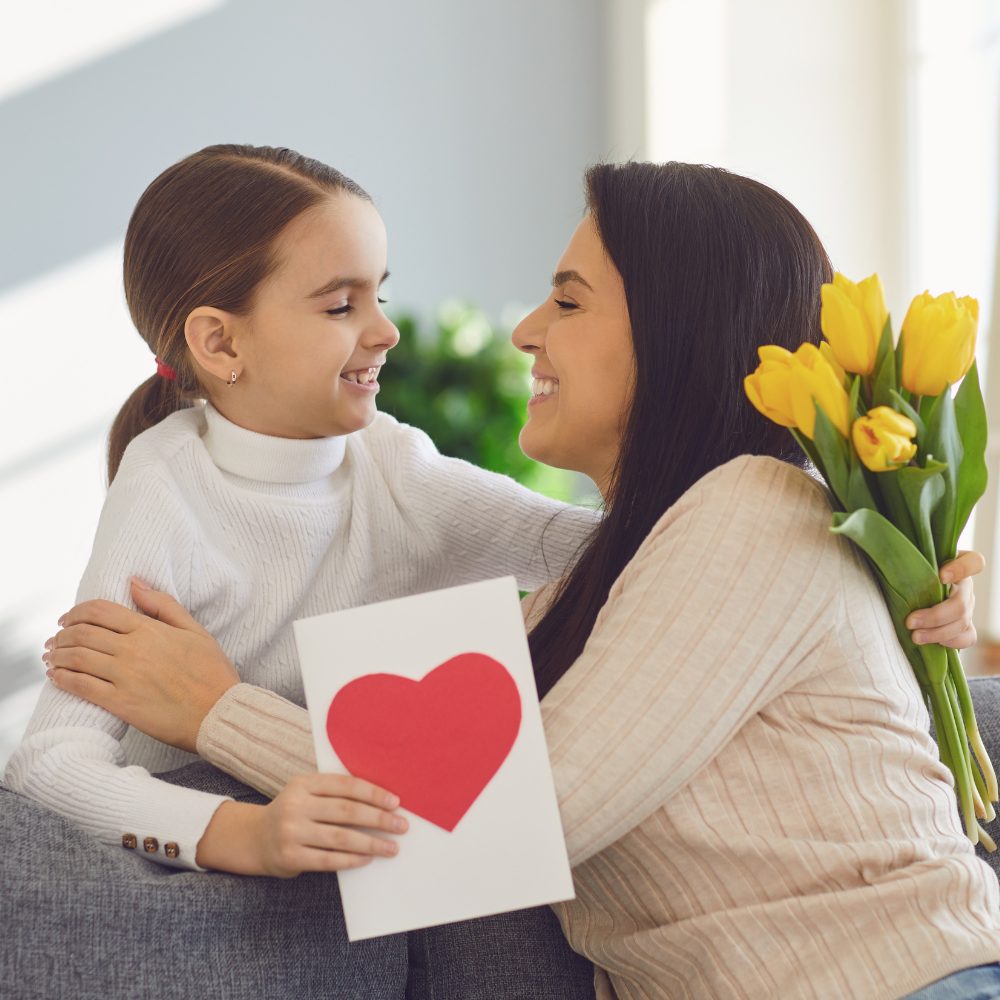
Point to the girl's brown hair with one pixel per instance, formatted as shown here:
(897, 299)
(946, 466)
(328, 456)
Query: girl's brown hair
(203, 234)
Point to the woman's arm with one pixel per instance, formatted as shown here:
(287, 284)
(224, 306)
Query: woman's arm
(249, 732)
(678, 662)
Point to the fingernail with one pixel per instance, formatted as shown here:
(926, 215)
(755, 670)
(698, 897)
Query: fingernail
(919, 638)
(947, 577)
(398, 823)
(62, 621)
(48, 673)
(45, 657)
(50, 643)
(390, 849)
(141, 584)
(915, 621)
(391, 801)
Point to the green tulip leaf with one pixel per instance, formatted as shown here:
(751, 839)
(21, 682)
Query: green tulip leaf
(884, 383)
(833, 454)
(859, 489)
(904, 407)
(922, 490)
(970, 416)
(944, 444)
(897, 559)
(908, 580)
(854, 401)
(810, 450)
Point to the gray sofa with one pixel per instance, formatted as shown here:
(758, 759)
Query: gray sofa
(81, 920)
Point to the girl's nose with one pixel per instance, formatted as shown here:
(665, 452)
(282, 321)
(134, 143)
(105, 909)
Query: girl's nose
(382, 334)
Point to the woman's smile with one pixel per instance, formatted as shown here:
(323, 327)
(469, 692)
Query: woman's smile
(543, 387)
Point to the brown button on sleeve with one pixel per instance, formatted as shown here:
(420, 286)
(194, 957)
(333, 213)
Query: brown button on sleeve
(129, 841)
(171, 850)
(151, 844)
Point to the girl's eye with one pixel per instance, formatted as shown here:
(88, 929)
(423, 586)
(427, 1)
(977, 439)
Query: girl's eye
(339, 311)
(564, 305)
(383, 302)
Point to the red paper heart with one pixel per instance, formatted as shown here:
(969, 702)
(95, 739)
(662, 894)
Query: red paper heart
(437, 742)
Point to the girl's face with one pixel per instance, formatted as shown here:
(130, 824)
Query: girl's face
(309, 353)
(584, 366)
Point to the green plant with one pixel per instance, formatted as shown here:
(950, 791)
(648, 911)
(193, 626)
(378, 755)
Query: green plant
(462, 381)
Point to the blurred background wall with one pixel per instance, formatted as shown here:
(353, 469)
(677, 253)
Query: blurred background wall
(471, 123)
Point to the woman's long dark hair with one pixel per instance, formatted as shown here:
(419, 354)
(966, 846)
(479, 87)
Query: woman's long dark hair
(714, 265)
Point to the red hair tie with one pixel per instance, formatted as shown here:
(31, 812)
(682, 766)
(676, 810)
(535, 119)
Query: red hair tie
(165, 370)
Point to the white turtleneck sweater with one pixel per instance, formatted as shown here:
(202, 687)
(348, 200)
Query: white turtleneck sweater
(250, 532)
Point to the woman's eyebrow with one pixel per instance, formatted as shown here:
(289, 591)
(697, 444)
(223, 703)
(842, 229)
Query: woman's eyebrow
(561, 277)
(335, 284)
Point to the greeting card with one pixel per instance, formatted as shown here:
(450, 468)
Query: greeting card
(432, 697)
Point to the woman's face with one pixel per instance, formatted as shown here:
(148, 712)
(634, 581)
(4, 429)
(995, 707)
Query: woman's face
(309, 353)
(584, 365)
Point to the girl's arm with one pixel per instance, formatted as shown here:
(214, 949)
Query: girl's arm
(71, 758)
(115, 657)
(476, 524)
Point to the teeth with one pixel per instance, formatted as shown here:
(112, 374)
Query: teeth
(364, 377)
(544, 386)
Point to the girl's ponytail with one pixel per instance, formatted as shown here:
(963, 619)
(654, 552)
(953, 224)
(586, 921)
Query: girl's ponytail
(202, 235)
(155, 399)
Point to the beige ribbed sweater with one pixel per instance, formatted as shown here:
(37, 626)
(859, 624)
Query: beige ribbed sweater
(752, 802)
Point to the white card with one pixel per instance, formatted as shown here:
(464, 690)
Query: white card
(468, 852)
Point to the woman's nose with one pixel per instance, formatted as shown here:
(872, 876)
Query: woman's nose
(529, 334)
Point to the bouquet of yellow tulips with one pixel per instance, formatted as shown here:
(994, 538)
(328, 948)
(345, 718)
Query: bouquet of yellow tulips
(904, 457)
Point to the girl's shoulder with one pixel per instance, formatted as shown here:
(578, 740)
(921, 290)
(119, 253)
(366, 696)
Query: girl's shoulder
(162, 449)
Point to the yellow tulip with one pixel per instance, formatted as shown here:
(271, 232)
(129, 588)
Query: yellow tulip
(831, 360)
(884, 439)
(768, 386)
(939, 342)
(814, 382)
(852, 318)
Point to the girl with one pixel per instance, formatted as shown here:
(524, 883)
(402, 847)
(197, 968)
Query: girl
(253, 274)
(752, 803)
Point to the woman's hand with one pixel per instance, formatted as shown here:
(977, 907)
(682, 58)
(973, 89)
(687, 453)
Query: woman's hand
(308, 827)
(160, 672)
(950, 622)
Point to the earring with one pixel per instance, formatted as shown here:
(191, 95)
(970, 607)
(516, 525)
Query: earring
(232, 377)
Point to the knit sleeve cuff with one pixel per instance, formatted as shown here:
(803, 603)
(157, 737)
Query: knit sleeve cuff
(167, 825)
(258, 737)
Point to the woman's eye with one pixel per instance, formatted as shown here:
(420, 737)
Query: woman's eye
(564, 305)
(339, 311)
(383, 302)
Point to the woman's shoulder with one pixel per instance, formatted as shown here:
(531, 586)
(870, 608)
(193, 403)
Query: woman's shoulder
(753, 502)
(751, 477)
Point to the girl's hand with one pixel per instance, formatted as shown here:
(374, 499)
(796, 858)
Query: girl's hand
(308, 827)
(160, 672)
(950, 622)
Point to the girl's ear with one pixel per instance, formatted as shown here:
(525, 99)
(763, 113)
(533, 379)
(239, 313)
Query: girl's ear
(210, 336)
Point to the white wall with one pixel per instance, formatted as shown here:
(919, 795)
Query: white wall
(470, 122)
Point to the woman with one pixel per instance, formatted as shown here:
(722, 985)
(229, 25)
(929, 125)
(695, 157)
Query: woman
(752, 803)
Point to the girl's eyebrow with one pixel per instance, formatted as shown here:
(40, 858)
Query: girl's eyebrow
(335, 284)
(561, 277)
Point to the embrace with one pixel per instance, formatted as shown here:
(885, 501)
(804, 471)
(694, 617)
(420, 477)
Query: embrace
(752, 801)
